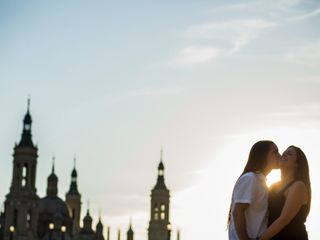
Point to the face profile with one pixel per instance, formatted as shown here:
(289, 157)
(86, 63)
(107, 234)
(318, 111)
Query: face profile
(273, 157)
(289, 158)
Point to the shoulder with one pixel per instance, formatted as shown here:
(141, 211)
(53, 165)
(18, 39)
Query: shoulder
(248, 178)
(298, 186)
(298, 190)
(248, 175)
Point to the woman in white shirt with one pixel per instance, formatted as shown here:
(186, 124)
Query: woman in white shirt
(249, 205)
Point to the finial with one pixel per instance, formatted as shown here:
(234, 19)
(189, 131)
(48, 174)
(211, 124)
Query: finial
(74, 161)
(28, 102)
(100, 214)
(130, 222)
(161, 154)
(53, 162)
(88, 203)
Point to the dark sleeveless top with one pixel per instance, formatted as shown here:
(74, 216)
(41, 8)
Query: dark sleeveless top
(296, 229)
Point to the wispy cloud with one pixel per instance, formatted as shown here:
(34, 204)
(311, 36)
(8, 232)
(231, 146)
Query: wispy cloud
(232, 29)
(226, 37)
(304, 113)
(197, 54)
(305, 15)
(308, 55)
(157, 91)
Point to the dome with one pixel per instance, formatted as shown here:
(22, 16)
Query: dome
(74, 173)
(52, 209)
(161, 166)
(53, 205)
(27, 118)
(53, 177)
(87, 218)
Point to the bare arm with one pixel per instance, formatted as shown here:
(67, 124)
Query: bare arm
(240, 221)
(296, 197)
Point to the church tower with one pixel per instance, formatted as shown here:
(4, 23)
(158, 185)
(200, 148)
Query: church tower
(73, 200)
(21, 201)
(159, 225)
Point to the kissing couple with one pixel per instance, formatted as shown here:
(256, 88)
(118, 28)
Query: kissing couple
(279, 212)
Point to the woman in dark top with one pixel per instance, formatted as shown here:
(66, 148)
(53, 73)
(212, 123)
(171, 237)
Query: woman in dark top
(289, 200)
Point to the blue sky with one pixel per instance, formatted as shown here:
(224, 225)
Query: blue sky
(111, 82)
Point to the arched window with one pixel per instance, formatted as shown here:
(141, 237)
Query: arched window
(24, 175)
(29, 220)
(163, 209)
(156, 212)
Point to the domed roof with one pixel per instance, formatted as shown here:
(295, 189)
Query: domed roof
(87, 218)
(161, 166)
(99, 225)
(27, 118)
(53, 177)
(74, 173)
(53, 205)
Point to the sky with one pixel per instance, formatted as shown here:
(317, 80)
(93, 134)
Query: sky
(111, 82)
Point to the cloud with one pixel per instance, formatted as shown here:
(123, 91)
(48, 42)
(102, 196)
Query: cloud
(308, 55)
(231, 30)
(305, 15)
(226, 38)
(303, 115)
(197, 54)
(157, 91)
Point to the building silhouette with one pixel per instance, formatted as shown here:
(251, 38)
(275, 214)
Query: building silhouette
(159, 225)
(27, 216)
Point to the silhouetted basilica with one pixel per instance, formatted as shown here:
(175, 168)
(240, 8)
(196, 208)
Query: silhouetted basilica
(26, 216)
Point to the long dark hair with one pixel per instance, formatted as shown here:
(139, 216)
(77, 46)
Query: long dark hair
(257, 161)
(302, 173)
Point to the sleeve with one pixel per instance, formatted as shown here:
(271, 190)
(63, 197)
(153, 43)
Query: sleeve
(244, 190)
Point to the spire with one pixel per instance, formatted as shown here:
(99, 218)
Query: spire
(161, 154)
(130, 231)
(99, 228)
(73, 190)
(87, 222)
(119, 234)
(52, 188)
(160, 182)
(53, 159)
(26, 137)
(28, 103)
(108, 233)
(178, 234)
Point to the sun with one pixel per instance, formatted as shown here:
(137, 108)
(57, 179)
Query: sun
(273, 176)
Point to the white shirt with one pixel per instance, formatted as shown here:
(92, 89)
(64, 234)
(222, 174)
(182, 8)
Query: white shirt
(251, 188)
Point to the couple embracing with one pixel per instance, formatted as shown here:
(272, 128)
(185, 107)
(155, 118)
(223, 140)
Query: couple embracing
(277, 213)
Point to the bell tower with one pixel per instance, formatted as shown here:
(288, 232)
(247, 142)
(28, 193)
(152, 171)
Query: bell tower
(159, 225)
(73, 200)
(21, 202)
